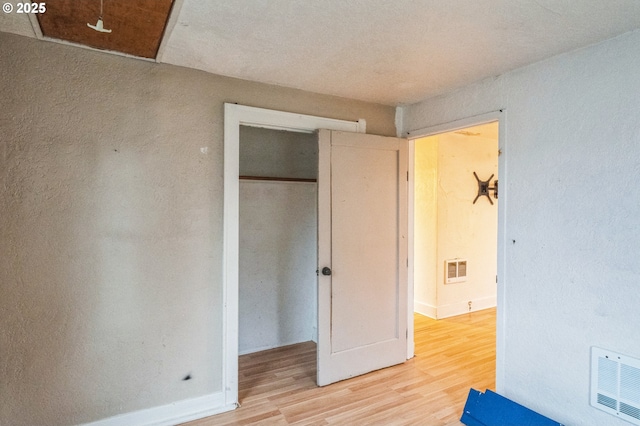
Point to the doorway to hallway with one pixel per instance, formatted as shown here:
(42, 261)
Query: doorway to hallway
(455, 221)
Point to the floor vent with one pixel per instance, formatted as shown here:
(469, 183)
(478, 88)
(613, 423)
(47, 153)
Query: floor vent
(615, 384)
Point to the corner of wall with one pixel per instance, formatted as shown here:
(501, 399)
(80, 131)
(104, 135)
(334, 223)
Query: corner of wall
(400, 111)
(425, 309)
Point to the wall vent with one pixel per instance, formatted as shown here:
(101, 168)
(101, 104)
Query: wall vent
(615, 384)
(455, 271)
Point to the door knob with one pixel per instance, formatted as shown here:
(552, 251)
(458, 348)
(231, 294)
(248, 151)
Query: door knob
(326, 271)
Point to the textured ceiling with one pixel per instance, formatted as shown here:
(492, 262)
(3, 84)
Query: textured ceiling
(386, 51)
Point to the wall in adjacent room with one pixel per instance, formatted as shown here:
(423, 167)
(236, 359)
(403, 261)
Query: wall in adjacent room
(448, 225)
(425, 225)
(466, 230)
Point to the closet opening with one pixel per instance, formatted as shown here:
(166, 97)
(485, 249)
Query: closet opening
(277, 248)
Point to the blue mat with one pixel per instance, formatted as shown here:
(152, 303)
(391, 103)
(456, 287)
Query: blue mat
(491, 409)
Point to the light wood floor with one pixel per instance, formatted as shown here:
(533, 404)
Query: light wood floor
(277, 387)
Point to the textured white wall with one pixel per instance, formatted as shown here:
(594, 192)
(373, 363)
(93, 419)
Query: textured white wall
(572, 227)
(278, 258)
(111, 228)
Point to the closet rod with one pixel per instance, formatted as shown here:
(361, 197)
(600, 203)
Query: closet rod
(281, 179)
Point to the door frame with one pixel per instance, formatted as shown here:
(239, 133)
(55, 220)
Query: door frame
(235, 116)
(412, 135)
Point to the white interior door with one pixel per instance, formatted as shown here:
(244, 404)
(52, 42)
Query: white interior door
(362, 254)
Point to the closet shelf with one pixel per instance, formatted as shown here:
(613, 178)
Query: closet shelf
(280, 179)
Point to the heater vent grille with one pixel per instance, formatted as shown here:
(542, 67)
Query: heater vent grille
(455, 271)
(630, 410)
(607, 402)
(615, 384)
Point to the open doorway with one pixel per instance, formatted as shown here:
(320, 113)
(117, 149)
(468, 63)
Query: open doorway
(455, 229)
(455, 249)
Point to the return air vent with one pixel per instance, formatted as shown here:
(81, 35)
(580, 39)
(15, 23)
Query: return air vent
(615, 384)
(455, 271)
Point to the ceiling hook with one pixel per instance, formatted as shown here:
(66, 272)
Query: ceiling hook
(99, 26)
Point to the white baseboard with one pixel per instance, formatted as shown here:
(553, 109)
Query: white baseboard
(425, 309)
(247, 351)
(460, 308)
(170, 414)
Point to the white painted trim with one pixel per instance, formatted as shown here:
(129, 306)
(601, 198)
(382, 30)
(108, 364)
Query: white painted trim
(279, 345)
(454, 309)
(235, 116)
(462, 123)
(410, 250)
(361, 126)
(170, 414)
(280, 120)
(454, 125)
(231, 227)
(425, 309)
(460, 308)
(502, 285)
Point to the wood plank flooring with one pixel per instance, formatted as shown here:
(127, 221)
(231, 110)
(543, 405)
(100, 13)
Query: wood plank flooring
(277, 387)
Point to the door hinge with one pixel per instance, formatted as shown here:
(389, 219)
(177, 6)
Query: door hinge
(407, 176)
